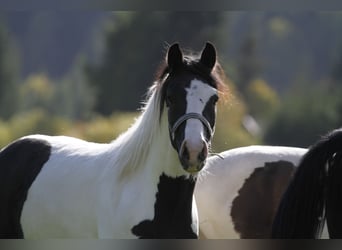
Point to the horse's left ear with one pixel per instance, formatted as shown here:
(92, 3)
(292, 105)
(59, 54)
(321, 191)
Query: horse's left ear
(208, 56)
(174, 56)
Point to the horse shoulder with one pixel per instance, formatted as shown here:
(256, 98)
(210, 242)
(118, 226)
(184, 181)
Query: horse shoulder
(20, 164)
(40, 171)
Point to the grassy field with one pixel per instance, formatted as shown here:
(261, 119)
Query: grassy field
(229, 132)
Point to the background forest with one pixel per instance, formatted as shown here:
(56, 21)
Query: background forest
(85, 74)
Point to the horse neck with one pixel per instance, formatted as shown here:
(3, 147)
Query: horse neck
(146, 145)
(145, 152)
(175, 213)
(162, 156)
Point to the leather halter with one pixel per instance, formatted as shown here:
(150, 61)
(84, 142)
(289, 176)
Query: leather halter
(186, 117)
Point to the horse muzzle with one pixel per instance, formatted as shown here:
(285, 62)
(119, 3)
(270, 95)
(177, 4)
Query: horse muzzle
(193, 157)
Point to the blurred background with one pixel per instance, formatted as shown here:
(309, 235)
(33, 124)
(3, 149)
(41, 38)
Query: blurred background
(85, 73)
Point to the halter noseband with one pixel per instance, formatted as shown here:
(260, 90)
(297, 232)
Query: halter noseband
(188, 116)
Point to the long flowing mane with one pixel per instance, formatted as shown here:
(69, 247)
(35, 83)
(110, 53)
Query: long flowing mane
(140, 185)
(132, 146)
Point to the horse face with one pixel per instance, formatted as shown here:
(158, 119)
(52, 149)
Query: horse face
(191, 103)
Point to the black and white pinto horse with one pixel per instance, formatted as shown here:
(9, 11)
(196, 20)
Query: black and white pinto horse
(138, 186)
(314, 195)
(240, 192)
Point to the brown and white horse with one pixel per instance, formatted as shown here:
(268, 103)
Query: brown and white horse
(239, 192)
(273, 192)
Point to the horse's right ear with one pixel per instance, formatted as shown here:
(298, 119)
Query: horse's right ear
(208, 56)
(174, 56)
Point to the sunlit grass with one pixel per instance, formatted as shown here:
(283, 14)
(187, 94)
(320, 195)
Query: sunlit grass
(229, 132)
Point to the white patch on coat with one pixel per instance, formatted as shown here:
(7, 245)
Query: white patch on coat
(198, 95)
(216, 190)
(90, 190)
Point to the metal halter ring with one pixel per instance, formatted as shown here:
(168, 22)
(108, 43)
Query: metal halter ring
(187, 117)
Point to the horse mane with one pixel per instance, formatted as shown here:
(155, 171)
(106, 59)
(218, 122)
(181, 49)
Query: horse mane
(301, 213)
(333, 199)
(132, 146)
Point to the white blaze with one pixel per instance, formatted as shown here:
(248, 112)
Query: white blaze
(198, 94)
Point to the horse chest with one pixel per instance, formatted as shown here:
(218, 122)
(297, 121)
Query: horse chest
(173, 216)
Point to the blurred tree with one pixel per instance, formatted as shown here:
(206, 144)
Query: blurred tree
(37, 91)
(229, 132)
(336, 73)
(263, 101)
(248, 68)
(8, 74)
(305, 114)
(70, 97)
(50, 40)
(336, 76)
(74, 98)
(135, 44)
(260, 98)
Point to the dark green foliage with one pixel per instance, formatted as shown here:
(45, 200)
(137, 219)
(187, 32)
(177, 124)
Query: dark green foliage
(305, 115)
(337, 69)
(8, 75)
(135, 46)
(265, 54)
(248, 64)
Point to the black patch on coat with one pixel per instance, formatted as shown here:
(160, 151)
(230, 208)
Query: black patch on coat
(254, 208)
(20, 163)
(172, 211)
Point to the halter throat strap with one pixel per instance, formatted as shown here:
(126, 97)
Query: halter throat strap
(188, 116)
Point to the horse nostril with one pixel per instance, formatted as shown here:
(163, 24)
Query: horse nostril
(184, 153)
(203, 155)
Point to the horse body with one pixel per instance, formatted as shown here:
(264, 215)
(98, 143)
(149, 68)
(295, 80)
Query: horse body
(84, 191)
(71, 176)
(239, 194)
(138, 186)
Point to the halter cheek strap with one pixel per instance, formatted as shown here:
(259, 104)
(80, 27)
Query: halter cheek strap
(188, 116)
